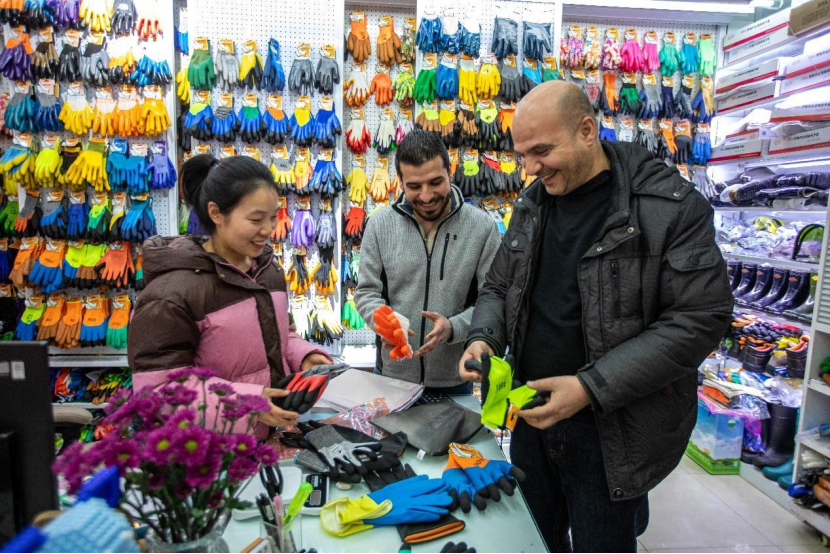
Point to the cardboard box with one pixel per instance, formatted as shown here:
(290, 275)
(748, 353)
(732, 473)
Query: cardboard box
(742, 36)
(749, 49)
(755, 74)
(809, 15)
(806, 81)
(816, 141)
(759, 133)
(746, 98)
(814, 111)
(730, 153)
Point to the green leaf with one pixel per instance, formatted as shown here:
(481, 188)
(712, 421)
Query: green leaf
(236, 504)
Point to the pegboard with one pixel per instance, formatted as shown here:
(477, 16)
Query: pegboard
(315, 22)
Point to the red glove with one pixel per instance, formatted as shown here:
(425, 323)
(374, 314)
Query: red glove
(354, 223)
(305, 388)
(283, 225)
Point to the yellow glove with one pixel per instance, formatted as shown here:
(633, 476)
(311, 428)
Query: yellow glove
(302, 174)
(183, 91)
(380, 184)
(467, 81)
(95, 14)
(283, 174)
(24, 171)
(76, 115)
(154, 119)
(103, 117)
(90, 167)
(47, 165)
(488, 81)
(359, 183)
(251, 61)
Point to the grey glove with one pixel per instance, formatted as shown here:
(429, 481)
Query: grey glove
(95, 65)
(652, 106)
(646, 139)
(511, 83)
(301, 77)
(683, 103)
(123, 17)
(505, 37)
(702, 183)
(336, 455)
(227, 70)
(326, 230)
(537, 40)
(327, 75)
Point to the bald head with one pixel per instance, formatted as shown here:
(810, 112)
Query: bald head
(557, 103)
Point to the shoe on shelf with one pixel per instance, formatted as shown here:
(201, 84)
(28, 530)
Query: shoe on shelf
(797, 360)
(804, 312)
(748, 274)
(756, 358)
(798, 288)
(763, 284)
(776, 291)
(733, 271)
(781, 443)
(784, 470)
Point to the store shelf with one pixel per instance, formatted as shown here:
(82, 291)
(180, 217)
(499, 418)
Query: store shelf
(658, 10)
(781, 319)
(819, 519)
(792, 46)
(756, 478)
(811, 211)
(819, 386)
(820, 446)
(84, 405)
(740, 112)
(87, 360)
(789, 264)
(785, 160)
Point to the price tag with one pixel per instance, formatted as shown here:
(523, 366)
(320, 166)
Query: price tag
(227, 151)
(279, 153)
(77, 197)
(690, 39)
(668, 38)
(72, 37)
(382, 162)
(225, 45)
(631, 34)
(303, 51)
(274, 101)
(510, 61)
(325, 155)
(49, 141)
(359, 160)
(327, 51)
(430, 61)
(575, 31)
(200, 43)
(630, 78)
(250, 100)
(251, 151)
(651, 37)
(153, 92)
(405, 113)
(649, 79)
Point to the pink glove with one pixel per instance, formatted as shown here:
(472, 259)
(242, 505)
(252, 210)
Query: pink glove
(575, 54)
(611, 55)
(651, 58)
(632, 56)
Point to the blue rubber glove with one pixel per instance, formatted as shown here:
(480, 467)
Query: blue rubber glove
(326, 179)
(471, 37)
(117, 165)
(162, 171)
(301, 134)
(700, 115)
(273, 77)
(20, 113)
(462, 491)
(78, 215)
(5, 264)
(138, 178)
(428, 37)
(49, 279)
(487, 476)
(198, 121)
(702, 148)
(414, 500)
(151, 72)
(47, 113)
(689, 58)
(276, 126)
(327, 128)
(250, 124)
(446, 81)
(607, 134)
(139, 223)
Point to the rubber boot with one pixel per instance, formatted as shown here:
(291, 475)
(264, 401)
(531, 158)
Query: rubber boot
(756, 358)
(797, 360)
(785, 481)
(748, 456)
(763, 283)
(781, 444)
(804, 312)
(798, 288)
(775, 473)
(733, 271)
(776, 292)
(747, 281)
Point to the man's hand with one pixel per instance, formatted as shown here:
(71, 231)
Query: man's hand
(313, 359)
(278, 417)
(473, 352)
(441, 332)
(567, 396)
(392, 344)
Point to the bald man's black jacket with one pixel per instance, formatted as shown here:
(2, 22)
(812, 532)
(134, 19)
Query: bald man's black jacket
(655, 302)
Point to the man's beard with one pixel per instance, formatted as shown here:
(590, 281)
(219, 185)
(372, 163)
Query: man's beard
(437, 214)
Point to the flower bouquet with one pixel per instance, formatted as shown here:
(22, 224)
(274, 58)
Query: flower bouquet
(182, 465)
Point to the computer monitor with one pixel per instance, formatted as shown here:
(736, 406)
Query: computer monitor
(27, 436)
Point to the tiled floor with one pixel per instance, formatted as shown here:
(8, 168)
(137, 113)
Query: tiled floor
(692, 511)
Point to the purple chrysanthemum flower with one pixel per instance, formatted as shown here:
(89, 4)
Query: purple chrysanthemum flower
(203, 373)
(221, 389)
(245, 445)
(123, 454)
(190, 445)
(266, 455)
(160, 445)
(183, 418)
(241, 468)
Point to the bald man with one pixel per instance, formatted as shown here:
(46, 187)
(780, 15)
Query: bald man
(608, 290)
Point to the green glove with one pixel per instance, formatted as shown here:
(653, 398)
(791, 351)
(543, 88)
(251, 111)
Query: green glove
(425, 86)
(404, 86)
(502, 396)
(707, 56)
(351, 317)
(669, 59)
(629, 99)
(550, 74)
(8, 216)
(201, 72)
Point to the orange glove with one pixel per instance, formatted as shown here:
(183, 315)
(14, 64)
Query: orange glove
(506, 119)
(103, 117)
(25, 261)
(283, 225)
(358, 43)
(612, 100)
(382, 89)
(115, 268)
(126, 117)
(667, 130)
(52, 317)
(394, 328)
(69, 329)
(389, 43)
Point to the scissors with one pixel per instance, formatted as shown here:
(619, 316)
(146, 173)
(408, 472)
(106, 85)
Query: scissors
(271, 478)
